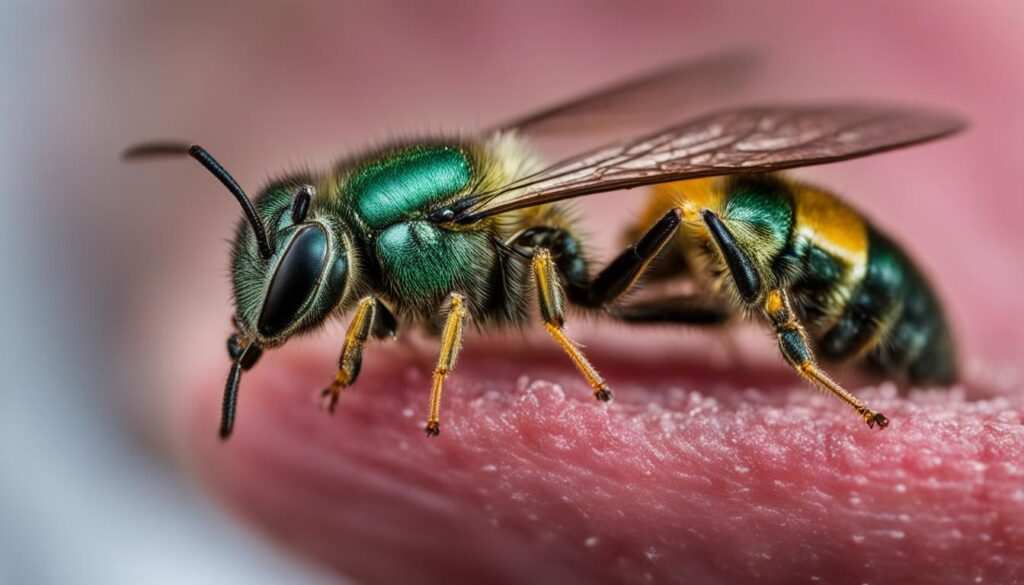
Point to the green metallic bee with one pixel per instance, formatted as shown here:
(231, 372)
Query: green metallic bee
(450, 228)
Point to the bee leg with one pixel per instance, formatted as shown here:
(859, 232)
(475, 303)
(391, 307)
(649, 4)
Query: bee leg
(351, 358)
(793, 340)
(244, 356)
(604, 290)
(622, 272)
(680, 309)
(551, 299)
(385, 325)
(744, 273)
(795, 348)
(451, 343)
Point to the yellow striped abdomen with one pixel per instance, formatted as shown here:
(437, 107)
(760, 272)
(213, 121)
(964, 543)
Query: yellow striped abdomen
(860, 296)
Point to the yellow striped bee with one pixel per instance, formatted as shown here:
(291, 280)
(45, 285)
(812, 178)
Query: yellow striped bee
(445, 229)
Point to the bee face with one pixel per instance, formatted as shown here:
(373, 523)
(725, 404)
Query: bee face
(305, 278)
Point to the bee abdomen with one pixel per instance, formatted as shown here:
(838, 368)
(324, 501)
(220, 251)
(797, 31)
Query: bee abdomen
(917, 346)
(873, 307)
(862, 296)
(893, 320)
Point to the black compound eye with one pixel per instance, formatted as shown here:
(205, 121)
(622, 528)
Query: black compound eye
(300, 207)
(294, 282)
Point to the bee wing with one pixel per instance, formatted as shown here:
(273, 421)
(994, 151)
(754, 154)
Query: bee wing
(743, 140)
(680, 87)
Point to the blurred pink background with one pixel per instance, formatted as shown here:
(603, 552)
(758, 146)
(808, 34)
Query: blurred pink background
(126, 296)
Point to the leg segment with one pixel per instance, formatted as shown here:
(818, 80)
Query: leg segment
(451, 343)
(795, 348)
(622, 272)
(680, 309)
(551, 299)
(744, 273)
(351, 358)
(556, 255)
(793, 341)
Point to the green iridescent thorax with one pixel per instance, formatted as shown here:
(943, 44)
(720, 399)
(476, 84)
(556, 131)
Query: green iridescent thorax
(420, 261)
(406, 181)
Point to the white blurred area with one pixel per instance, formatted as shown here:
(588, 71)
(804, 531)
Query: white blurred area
(81, 499)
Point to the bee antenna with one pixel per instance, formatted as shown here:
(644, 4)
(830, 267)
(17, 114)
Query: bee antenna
(157, 149)
(227, 413)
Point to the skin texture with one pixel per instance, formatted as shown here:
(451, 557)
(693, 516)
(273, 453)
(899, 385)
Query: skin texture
(711, 464)
(690, 476)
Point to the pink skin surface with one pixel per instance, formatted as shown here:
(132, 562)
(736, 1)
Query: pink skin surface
(713, 463)
(690, 475)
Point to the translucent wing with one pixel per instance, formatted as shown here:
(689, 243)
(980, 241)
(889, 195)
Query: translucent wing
(680, 88)
(744, 140)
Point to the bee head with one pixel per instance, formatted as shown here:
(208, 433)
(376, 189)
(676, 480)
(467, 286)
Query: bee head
(287, 279)
(305, 276)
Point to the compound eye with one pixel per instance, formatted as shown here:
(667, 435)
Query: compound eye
(294, 281)
(300, 207)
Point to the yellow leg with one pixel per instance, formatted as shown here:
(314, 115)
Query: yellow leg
(351, 359)
(551, 299)
(451, 343)
(795, 348)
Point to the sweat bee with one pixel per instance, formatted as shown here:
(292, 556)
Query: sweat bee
(443, 230)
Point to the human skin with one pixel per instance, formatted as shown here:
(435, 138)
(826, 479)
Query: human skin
(694, 474)
(713, 463)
